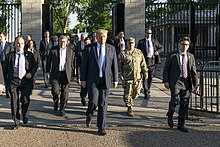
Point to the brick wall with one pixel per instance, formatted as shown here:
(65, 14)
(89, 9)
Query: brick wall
(31, 19)
(135, 19)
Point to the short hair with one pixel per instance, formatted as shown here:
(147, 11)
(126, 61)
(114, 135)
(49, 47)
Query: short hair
(185, 38)
(5, 34)
(148, 28)
(87, 38)
(46, 31)
(17, 38)
(63, 37)
(101, 31)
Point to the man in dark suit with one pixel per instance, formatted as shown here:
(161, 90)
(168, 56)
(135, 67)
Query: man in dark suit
(5, 48)
(45, 46)
(83, 91)
(151, 49)
(20, 67)
(36, 53)
(80, 44)
(98, 69)
(60, 67)
(179, 75)
(2, 86)
(120, 43)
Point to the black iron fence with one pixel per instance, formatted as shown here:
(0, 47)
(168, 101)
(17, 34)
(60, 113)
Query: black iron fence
(199, 21)
(207, 96)
(10, 20)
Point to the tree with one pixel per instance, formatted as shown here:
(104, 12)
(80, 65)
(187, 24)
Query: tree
(61, 12)
(96, 14)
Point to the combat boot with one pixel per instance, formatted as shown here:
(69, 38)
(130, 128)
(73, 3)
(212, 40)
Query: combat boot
(130, 111)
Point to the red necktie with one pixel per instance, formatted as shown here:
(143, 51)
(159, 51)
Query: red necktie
(184, 66)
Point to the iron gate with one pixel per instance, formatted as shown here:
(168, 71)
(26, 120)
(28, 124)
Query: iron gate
(10, 20)
(199, 21)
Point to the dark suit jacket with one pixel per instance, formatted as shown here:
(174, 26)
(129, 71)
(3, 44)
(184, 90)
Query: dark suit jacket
(30, 65)
(90, 66)
(171, 72)
(44, 51)
(157, 47)
(53, 62)
(7, 48)
(37, 58)
(1, 75)
(118, 46)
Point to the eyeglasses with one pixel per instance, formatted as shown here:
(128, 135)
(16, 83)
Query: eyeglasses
(131, 42)
(184, 44)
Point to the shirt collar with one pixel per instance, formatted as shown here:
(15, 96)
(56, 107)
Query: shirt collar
(182, 53)
(98, 45)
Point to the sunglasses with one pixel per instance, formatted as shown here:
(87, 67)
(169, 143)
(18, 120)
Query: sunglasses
(184, 44)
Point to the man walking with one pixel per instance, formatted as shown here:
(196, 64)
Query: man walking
(179, 75)
(99, 68)
(45, 46)
(21, 68)
(59, 69)
(131, 65)
(151, 50)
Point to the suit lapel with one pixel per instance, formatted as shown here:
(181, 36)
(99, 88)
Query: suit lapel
(178, 59)
(95, 53)
(26, 59)
(58, 55)
(106, 55)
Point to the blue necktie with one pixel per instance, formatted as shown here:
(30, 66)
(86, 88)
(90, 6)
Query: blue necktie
(100, 62)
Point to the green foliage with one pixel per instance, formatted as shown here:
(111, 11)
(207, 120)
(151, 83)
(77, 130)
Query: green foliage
(62, 10)
(6, 13)
(95, 15)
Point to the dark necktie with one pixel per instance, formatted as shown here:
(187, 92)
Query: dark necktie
(184, 66)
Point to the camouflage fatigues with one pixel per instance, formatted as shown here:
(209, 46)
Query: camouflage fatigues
(131, 65)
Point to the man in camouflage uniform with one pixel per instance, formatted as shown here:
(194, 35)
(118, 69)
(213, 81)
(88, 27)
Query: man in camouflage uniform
(131, 65)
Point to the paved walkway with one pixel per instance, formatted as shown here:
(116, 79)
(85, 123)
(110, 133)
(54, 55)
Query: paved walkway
(147, 127)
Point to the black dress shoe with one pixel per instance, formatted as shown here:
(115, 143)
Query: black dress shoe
(7, 95)
(102, 132)
(16, 127)
(88, 120)
(55, 106)
(170, 122)
(62, 112)
(25, 120)
(182, 128)
(83, 101)
(147, 97)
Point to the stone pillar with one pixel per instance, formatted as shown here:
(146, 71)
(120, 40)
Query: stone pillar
(135, 19)
(32, 19)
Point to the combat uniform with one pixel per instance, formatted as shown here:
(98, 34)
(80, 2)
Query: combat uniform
(131, 66)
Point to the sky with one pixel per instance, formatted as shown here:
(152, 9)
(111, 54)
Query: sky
(73, 20)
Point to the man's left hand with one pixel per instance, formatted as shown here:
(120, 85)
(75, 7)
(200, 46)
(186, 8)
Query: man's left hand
(28, 75)
(115, 84)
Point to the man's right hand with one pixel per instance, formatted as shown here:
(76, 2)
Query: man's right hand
(166, 85)
(79, 82)
(83, 84)
(48, 76)
(2, 88)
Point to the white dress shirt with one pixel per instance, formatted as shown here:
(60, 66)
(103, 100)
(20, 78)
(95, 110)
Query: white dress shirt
(62, 66)
(149, 48)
